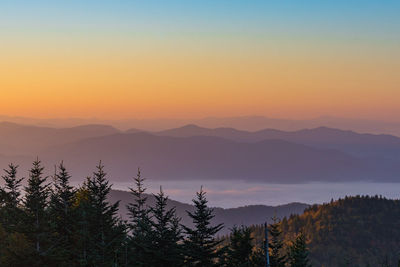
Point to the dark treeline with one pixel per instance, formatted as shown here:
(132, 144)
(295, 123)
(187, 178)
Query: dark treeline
(50, 223)
(357, 231)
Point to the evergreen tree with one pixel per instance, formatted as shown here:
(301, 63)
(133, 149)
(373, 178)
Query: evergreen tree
(140, 226)
(12, 185)
(240, 250)
(105, 231)
(166, 234)
(11, 213)
(37, 192)
(15, 250)
(61, 215)
(275, 244)
(200, 243)
(298, 253)
(83, 236)
(385, 262)
(258, 257)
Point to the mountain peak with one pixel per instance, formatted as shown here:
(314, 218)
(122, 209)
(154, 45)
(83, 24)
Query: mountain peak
(190, 126)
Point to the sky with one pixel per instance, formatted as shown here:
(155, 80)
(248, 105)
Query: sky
(191, 59)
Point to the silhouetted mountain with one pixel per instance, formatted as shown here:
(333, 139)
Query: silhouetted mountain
(248, 215)
(25, 139)
(133, 130)
(320, 154)
(246, 123)
(205, 157)
(194, 130)
(365, 145)
(256, 123)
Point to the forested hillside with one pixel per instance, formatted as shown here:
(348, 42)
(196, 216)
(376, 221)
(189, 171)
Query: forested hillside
(50, 223)
(354, 231)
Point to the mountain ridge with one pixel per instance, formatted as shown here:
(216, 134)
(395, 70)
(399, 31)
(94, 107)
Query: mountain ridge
(246, 215)
(248, 123)
(210, 157)
(274, 156)
(354, 143)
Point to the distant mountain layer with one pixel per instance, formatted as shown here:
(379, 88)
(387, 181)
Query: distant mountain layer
(203, 157)
(255, 123)
(26, 139)
(192, 153)
(365, 145)
(247, 123)
(247, 215)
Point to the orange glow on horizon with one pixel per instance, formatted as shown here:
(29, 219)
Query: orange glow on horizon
(183, 81)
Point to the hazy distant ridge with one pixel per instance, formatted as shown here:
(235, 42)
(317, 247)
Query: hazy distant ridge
(192, 152)
(367, 145)
(246, 123)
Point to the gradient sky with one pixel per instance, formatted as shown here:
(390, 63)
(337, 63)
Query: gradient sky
(146, 59)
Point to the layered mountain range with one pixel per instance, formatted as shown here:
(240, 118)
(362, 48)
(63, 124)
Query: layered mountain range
(192, 152)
